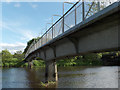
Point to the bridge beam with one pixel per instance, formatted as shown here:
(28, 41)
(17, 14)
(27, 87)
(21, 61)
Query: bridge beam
(75, 42)
(51, 71)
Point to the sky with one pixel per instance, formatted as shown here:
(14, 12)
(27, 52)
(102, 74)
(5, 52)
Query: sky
(22, 21)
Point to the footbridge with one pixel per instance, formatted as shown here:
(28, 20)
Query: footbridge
(84, 28)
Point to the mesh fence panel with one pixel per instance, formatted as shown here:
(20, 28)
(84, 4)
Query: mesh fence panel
(43, 39)
(31, 48)
(34, 46)
(57, 29)
(91, 8)
(46, 38)
(69, 20)
(49, 35)
(79, 13)
(39, 42)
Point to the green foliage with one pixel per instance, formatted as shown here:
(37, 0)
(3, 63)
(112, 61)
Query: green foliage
(19, 55)
(25, 65)
(49, 84)
(6, 64)
(94, 7)
(9, 60)
(86, 60)
(6, 56)
(38, 63)
(35, 62)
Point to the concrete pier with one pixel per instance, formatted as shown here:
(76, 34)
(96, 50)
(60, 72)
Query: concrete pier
(51, 71)
(30, 64)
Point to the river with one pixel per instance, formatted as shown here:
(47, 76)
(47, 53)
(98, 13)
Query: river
(69, 77)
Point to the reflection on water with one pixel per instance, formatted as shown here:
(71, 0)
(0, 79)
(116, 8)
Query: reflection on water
(69, 77)
(92, 77)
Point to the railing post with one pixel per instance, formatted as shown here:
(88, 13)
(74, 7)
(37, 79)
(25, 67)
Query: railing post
(34, 45)
(38, 43)
(83, 10)
(63, 19)
(46, 37)
(52, 32)
(98, 4)
(41, 41)
(75, 16)
(52, 27)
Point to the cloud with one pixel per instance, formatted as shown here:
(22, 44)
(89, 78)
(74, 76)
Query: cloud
(8, 1)
(18, 46)
(48, 19)
(17, 5)
(34, 6)
(25, 34)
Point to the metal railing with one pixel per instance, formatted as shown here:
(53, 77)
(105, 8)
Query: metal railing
(80, 11)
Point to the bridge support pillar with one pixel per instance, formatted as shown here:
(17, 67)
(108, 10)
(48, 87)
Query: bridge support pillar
(51, 71)
(30, 64)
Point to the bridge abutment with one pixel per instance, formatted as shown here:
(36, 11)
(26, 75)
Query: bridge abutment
(51, 71)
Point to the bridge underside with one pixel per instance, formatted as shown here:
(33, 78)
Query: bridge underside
(95, 35)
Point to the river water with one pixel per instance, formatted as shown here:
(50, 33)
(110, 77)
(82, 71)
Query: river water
(69, 77)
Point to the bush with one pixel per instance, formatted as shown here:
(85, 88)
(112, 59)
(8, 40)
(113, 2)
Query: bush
(6, 64)
(26, 65)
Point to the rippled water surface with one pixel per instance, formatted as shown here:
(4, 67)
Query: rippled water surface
(69, 77)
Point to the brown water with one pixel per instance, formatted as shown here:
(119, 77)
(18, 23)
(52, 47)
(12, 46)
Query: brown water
(69, 77)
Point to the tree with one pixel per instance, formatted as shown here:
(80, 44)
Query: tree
(6, 56)
(94, 7)
(19, 55)
(30, 42)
